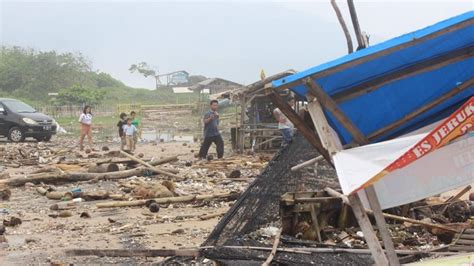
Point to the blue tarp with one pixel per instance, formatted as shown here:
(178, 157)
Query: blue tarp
(396, 99)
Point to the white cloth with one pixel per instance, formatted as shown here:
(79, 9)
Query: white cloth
(85, 119)
(444, 169)
(283, 121)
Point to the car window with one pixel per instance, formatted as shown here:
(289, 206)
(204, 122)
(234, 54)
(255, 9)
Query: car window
(19, 107)
(2, 109)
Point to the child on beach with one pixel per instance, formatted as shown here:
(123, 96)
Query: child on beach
(129, 130)
(136, 123)
(120, 124)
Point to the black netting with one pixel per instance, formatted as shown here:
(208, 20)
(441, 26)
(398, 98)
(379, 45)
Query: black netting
(258, 207)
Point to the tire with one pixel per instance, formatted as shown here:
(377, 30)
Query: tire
(39, 139)
(47, 138)
(16, 135)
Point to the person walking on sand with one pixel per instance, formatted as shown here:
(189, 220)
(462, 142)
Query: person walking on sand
(211, 132)
(129, 130)
(284, 124)
(86, 126)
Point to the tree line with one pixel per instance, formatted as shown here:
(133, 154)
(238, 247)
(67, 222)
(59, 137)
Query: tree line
(32, 75)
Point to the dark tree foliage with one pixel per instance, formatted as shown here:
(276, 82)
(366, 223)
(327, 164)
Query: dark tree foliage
(30, 74)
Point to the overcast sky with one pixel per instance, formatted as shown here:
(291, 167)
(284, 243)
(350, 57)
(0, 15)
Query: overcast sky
(227, 39)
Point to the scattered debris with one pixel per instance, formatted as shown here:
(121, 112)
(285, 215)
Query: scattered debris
(12, 221)
(85, 215)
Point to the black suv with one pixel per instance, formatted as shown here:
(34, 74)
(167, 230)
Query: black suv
(18, 121)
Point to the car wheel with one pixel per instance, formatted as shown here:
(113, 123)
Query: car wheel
(16, 135)
(47, 138)
(39, 139)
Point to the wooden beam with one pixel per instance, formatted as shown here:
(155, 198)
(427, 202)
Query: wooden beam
(350, 47)
(307, 163)
(332, 107)
(381, 53)
(355, 23)
(194, 252)
(268, 261)
(369, 234)
(415, 69)
(323, 129)
(299, 124)
(380, 220)
(421, 110)
(243, 108)
(359, 211)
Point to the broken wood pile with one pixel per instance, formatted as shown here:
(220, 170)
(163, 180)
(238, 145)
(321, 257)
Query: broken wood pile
(70, 186)
(323, 219)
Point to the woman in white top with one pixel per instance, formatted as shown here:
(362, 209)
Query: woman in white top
(86, 121)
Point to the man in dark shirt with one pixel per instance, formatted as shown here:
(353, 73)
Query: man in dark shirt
(211, 132)
(120, 125)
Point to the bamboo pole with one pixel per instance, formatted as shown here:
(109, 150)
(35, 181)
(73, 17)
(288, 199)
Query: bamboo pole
(274, 249)
(166, 200)
(52, 178)
(307, 163)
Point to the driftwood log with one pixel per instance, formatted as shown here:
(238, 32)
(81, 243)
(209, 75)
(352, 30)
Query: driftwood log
(164, 160)
(53, 178)
(194, 252)
(151, 167)
(129, 161)
(220, 196)
(103, 168)
(134, 252)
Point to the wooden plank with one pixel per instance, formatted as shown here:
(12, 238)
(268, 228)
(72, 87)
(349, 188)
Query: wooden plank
(459, 194)
(274, 249)
(322, 127)
(409, 71)
(369, 234)
(309, 250)
(469, 242)
(376, 55)
(320, 122)
(134, 252)
(462, 248)
(299, 124)
(464, 236)
(243, 107)
(315, 222)
(421, 110)
(307, 163)
(332, 107)
(380, 220)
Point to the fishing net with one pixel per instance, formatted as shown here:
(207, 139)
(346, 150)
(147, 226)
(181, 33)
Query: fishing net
(258, 207)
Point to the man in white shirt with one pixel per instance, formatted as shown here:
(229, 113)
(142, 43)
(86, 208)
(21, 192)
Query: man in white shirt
(284, 124)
